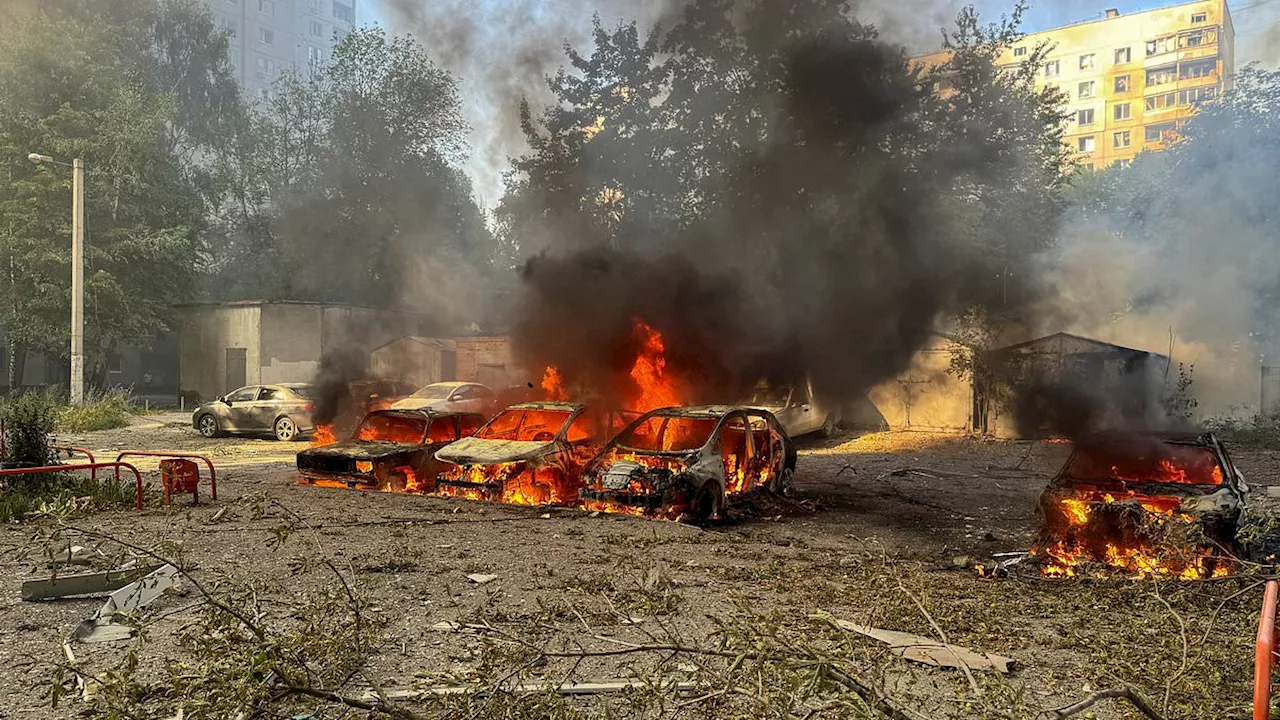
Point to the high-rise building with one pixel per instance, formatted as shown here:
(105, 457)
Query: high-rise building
(1130, 81)
(270, 36)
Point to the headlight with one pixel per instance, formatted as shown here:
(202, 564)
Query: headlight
(364, 466)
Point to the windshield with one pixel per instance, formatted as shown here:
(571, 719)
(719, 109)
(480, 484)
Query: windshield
(526, 425)
(1145, 460)
(764, 395)
(668, 434)
(434, 392)
(392, 428)
(305, 391)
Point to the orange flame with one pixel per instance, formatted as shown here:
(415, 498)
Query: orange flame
(655, 388)
(323, 435)
(552, 385)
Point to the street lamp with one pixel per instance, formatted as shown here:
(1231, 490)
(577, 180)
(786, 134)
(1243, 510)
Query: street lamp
(77, 271)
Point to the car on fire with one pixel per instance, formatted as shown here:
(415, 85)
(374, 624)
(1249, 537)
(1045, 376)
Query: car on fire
(283, 410)
(391, 450)
(797, 407)
(450, 397)
(529, 454)
(1145, 502)
(690, 461)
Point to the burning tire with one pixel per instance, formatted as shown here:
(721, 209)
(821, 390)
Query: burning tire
(285, 429)
(208, 426)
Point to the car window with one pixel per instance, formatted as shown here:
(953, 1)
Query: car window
(270, 393)
(525, 425)
(442, 430)
(463, 393)
(244, 394)
(390, 427)
(484, 393)
(583, 428)
(668, 434)
(470, 424)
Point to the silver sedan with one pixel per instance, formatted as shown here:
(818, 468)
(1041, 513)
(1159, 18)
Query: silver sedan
(283, 410)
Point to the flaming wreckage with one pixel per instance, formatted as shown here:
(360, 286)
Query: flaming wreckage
(688, 461)
(1147, 504)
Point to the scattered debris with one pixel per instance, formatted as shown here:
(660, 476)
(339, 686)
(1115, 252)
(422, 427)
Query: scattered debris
(73, 555)
(83, 584)
(568, 688)
(136, 596)
(481, 579)
(926, 650)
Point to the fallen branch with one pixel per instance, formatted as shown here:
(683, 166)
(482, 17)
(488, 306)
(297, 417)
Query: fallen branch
(1134, 698)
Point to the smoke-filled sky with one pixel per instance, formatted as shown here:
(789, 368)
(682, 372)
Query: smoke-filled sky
(500, 47)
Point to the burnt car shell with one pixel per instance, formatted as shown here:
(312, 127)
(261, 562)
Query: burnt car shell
(377, 462)
(516, 464)
(1185, 472)
(684, 478)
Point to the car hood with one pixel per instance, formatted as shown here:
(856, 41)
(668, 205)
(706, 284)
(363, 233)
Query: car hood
(479, 451)
(413, 403)
(361, 449)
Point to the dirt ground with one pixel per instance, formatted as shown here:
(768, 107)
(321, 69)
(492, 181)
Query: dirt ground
(880, 523)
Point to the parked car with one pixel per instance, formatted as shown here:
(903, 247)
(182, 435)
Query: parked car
(390, 449)
(529, 454)
(800, 410)
(282, 409)
(690, 461)
(450, 397)
(378, 393)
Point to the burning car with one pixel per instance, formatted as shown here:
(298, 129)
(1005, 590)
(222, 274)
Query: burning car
(391, 450)
(529, 454)
(1144, 504)
(689, 461)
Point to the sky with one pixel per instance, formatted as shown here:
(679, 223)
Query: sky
(1257, 25)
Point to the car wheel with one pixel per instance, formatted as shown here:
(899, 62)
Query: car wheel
(706, 504)
(285, 429)
(208, 426)
(785, 484)
(829, 426)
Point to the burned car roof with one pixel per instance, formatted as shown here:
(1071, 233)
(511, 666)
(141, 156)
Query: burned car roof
(548, 405)
(703, 410)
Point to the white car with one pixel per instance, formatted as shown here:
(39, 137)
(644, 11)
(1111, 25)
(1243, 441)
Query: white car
(798, 409)
(461, 397)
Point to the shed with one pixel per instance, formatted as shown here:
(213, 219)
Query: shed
(415, 359)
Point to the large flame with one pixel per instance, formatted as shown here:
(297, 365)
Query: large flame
(552, 386)
(654, 387)
(323, 435)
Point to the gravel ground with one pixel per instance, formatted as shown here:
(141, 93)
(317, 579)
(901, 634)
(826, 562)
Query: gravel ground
(579, 577)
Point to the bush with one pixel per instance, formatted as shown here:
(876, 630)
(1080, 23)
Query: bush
(28, 420)
(63, 495)
(101, 411)
(1260, 431)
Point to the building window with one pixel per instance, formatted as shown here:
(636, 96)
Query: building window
(1162, 45)
(1121, 139)
(1019, 51)
(317, 28)
(314, 55)
(1087, 61)
(266, 37)
(266, 67)
(313, 5)
(344, 12)
(1122, 84)
(1195, 96)
(1161, 102)
(1197, 18)
(1120, 111)
(115, 363)
(1162, 75)
(1198, 38)
(1087, 89)
(267, 7)
(1193, 70)
(1085, 144)
(1052, 68)
(1123, 55)
(229, 27)
(1084, 117)
(1160, 133)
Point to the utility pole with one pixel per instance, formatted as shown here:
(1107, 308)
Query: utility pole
(77, 282)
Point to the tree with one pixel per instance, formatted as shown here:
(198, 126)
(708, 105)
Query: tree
(134, 100)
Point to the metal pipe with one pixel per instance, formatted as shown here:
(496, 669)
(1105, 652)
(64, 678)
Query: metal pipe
(1264, 653)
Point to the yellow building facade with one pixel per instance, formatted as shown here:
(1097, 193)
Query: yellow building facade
(1130, 80)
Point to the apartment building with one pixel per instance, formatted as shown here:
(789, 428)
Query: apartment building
(1130, 81)
(270, 36)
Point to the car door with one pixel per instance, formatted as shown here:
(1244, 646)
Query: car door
(466, 399)
(791, 415)
(266, 407)
(240, 407)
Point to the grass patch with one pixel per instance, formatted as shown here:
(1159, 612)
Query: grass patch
(1260, 431)
(106, 410)
(62, 494)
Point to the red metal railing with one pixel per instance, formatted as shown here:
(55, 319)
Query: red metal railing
(70, 449)
(213, 475)
(1264, 654)
(137, 476)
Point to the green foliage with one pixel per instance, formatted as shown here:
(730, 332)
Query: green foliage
(1178, 402)
(29, 419)
(62, 495)
(104, 410)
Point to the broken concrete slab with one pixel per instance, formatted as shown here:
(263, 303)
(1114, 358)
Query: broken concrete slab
(84, 584)
(136, 596)
(926, 650)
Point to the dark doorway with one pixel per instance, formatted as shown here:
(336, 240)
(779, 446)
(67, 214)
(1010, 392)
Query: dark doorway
(236, 366)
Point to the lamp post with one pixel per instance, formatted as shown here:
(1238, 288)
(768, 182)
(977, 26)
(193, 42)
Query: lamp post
(77, 271)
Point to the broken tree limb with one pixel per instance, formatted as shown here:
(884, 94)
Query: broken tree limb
(925, 650)
(1134, 698)
(96, 583)
(527, 688)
